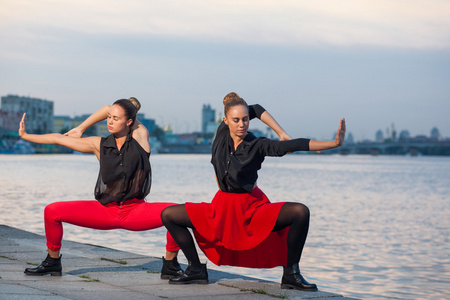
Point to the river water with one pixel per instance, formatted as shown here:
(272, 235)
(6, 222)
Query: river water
(379, 225)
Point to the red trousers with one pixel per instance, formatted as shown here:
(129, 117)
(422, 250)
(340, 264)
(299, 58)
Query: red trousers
(135, 215)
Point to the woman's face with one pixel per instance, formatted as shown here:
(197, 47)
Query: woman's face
(237, 120)
(117, 120)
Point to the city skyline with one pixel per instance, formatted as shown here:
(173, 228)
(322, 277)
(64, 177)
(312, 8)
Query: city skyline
(208, 113)
(308, 63)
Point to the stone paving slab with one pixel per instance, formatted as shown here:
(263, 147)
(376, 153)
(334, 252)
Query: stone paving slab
(269, 288)
(95, 272)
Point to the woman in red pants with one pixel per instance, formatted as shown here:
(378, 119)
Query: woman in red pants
(123, 183)
(241, 227)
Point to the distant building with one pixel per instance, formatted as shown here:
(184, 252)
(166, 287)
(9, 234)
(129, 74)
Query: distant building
(379, 136)
(150, 124)
(168, 130)
(39, 113)
(61, 124)
(435, 135)
(394, 132)
(77, 120)
(404, 135)
(349, 139)
(209, 124)
(101, 129)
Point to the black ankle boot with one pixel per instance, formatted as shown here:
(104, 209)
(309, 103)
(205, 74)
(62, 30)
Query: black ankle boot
(170, 268)
(192, 275)
(292, 279)
(50, 266)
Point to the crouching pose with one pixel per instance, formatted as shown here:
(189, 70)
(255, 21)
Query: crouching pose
(123, 183)
(241, 227)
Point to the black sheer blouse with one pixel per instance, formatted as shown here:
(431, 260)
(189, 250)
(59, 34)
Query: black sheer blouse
(124, 174)
(237, 171)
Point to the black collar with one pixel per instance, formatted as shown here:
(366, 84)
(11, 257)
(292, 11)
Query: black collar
(110, 141)
(245, 142)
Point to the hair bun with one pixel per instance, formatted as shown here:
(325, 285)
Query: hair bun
(230, 96)
(136, 103)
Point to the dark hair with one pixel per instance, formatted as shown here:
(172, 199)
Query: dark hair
(234, 102)
(129, 108)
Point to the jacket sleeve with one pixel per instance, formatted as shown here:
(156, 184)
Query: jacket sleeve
(269, 147)
(255, 111)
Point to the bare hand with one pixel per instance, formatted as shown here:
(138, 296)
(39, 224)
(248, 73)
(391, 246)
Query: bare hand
(75, 132)
(22, 130)
(340, 135)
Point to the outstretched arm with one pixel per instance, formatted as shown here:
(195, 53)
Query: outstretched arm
(85, 145)
(96, 117)
(324, 145)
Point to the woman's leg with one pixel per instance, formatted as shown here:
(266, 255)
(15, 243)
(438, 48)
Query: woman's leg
(295, 215)
(146, 216)
(91, 214)
(83, 213)
(177, 222)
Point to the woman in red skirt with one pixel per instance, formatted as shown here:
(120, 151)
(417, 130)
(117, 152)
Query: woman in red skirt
(241, 227)
(123, 182)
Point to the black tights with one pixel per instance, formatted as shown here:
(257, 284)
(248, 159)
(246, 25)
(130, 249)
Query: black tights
(295, 215)
(177, 223)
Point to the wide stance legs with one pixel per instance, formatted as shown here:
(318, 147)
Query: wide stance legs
(294, 215)
(135, 215)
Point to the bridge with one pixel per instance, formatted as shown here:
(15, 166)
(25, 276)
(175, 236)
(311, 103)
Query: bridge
(412, 148)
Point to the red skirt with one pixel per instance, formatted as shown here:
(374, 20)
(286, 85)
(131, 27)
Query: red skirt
(236, 230)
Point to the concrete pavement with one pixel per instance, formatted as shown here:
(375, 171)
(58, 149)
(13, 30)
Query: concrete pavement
(95, 272)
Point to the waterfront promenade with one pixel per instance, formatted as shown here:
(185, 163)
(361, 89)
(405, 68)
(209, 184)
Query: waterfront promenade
(95, 272)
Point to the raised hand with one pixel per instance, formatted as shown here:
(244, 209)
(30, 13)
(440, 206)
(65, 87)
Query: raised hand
(22, 130)
(340, 135)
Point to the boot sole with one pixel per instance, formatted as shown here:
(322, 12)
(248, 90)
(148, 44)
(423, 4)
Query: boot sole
(200, 281)
(169, 276)
(286, 286)
(43, 274)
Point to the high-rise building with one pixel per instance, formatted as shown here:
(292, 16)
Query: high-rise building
(39, 113)
(209, 124)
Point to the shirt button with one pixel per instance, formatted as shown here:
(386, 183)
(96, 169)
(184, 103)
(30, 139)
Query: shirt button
(228, 162)
(226, 172)
(231, 153)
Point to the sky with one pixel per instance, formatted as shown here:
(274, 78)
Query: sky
(378, 63)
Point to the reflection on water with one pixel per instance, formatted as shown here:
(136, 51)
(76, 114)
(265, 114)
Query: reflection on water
(379, 225)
